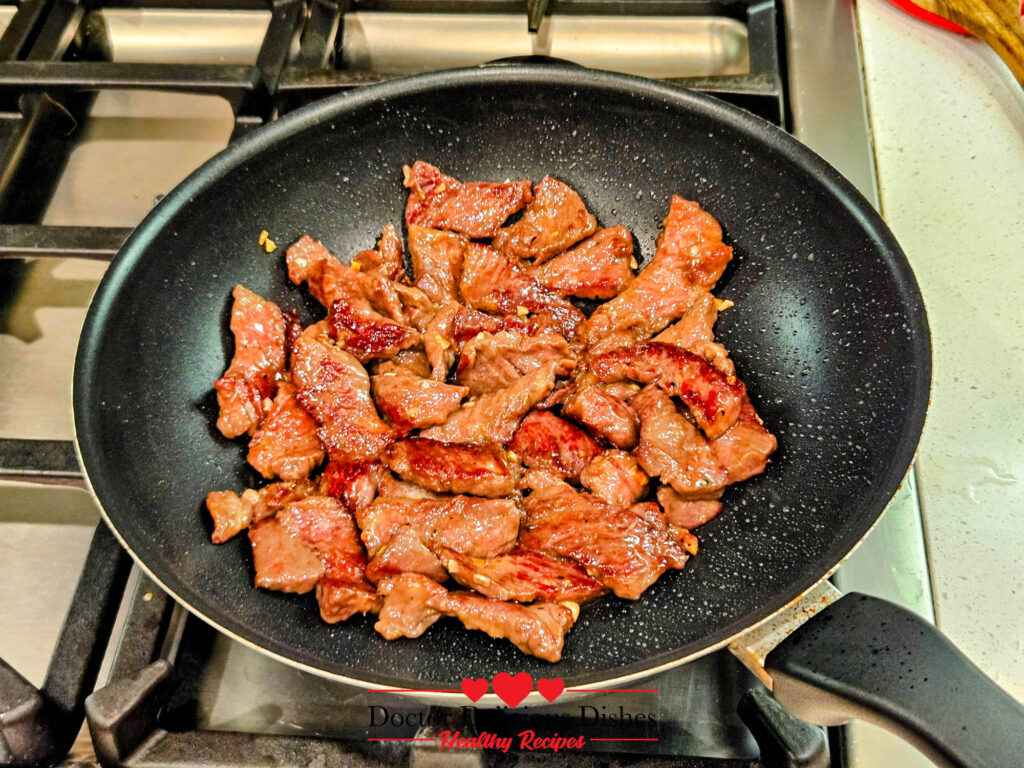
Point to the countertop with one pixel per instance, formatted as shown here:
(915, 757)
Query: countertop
(948, 125)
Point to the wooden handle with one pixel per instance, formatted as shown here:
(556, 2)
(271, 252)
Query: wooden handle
(996, 22)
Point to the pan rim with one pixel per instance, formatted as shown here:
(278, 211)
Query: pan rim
(765, 133)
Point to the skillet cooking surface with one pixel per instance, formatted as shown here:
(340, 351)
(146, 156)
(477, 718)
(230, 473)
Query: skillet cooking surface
(828, 332)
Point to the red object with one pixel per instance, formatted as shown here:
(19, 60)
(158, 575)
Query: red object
(550, 689)
(512, 689)
(474, 689)
(927, 16)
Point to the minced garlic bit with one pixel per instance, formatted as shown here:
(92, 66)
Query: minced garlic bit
(721, 304)
(513, 455)
(269, 246)
(424, 383)
(442, 342)
(356, 265)
(522, 311)
(263, 236)
(479, 578)
(632, 262)
(574, 608)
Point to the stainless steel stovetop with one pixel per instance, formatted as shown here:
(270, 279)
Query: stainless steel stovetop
(136, 144)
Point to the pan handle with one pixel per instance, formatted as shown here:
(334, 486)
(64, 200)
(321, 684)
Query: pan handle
(866, 658)
(533, 58)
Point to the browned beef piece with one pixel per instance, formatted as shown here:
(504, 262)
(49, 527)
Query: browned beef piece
(478, 527)
(436, 262)
(286, 445)
(412, 603)
(615, 477)
(618, 548)
(535, 479)
(469, 323)
(437, 340)
(604, 414)
(744, 449)
(555, 220)
(479, 470)
(544, 441)
(323, 522)
(368, 334)
(409, 402)
(598, 268)
(354, 482)
(522, 576)
(231, 513)
(714, 400)
(683, 512)
(493, 418)
(259, 361)
(335, 389)
(694, 332)
(329, 281)
(690, 257)
(410, 361)
(474, 209)
(283, 561)
(493, 283)
(651, 512)
(387, 259)
(405, 552)
(492, 361)
(672, 448)
(417, 307)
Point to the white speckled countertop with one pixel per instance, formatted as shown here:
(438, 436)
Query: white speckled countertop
(948, 124)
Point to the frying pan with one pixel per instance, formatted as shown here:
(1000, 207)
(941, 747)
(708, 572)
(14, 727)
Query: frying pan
(828, 332)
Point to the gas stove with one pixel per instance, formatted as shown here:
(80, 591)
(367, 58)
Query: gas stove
(104, 108)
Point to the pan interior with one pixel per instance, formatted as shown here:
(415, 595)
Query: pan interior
(827, 331)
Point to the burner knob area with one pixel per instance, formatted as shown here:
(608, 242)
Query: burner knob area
(784, 741)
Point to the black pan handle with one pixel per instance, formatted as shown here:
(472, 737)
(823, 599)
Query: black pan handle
(533, 58)
(866, 658)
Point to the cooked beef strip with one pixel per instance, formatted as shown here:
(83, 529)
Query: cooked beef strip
(259, 361)
(473, 208)
(231, 513)
(672, 448)
(323, 522)
(615, 477)
(335, 389)
(478, 470)
(493, 418)
(387, 259)
(694, 332)
(437, 340)
(283, 561)
(286, 445)
(544, 441)
(535, 479)
(369, 335)
(651, 512)
(598, 268)
(354, 482)
(555, 220)
(522, 576)
(405, 552)
(369, 294)
(493, 283)
(686, 513)
(492, 361)
(604, 414)
(409, 402)
(272, 497)
(615, 546)
(417, 307)
(412, 603)
(744, 449)
(690, 257)
(436, 262)
(714, 400)
(469, 323)
(409, 361)
(475, 526)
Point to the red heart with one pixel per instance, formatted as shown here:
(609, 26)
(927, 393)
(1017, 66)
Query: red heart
(550, 689)
(512, 689)
(474, 689)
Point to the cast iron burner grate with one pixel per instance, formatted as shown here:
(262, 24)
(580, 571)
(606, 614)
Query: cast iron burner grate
(50, 69)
